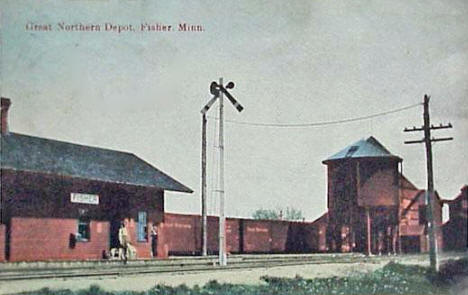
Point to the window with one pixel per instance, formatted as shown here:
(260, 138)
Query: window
(83, 233)
(142, 227)
(351, 151)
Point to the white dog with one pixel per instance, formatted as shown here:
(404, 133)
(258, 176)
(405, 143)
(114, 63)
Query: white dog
(118, 253)
(115, 253)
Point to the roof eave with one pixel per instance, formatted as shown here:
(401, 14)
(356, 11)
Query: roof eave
(182, 189)
(327, 161)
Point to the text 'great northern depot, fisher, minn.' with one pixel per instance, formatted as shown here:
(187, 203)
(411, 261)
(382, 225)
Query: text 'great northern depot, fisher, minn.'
(113, 27)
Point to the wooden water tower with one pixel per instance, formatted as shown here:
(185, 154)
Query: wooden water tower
(363, 198)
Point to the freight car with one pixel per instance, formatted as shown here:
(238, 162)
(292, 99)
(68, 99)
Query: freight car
(181, 235)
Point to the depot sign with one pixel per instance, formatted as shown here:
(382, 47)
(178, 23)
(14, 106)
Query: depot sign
(84, 198)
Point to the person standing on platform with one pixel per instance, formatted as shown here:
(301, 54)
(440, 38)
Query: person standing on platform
(123, 240)
(154, 240)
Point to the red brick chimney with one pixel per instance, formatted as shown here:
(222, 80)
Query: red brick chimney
(5, 105)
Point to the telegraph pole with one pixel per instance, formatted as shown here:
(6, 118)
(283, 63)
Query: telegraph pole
(4, 105)
(203, 187)
(204, 225)
(430, 202)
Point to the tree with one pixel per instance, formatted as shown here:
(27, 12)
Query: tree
(265, 214)
(278, 214)
(293, 214)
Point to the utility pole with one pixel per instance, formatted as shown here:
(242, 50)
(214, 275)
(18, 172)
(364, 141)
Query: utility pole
(203, 188)
(204, 226)
(430, 202)
(222, 218)
(217, 90)
(4, 106)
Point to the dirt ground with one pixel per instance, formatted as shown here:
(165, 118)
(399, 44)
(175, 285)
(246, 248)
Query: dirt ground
(145, 282)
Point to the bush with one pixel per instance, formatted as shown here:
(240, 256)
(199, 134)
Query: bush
(391, 279)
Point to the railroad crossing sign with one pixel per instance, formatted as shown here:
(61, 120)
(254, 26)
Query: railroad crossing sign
(217, 90)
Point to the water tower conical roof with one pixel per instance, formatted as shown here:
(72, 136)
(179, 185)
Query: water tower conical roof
(364, 148)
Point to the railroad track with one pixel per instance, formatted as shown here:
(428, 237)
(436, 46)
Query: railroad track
(49, 270)
(44, 270)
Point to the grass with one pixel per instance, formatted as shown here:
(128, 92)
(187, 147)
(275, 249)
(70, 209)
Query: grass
(393, 278)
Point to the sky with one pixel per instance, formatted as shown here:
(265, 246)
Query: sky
(292, 62)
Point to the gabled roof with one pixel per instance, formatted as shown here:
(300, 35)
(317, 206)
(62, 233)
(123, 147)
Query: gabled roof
(35, 154)
(463, 194)
(322, 219)
(406, 184)
(364, 148)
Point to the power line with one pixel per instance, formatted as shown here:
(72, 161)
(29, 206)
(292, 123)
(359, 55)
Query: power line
(324, 123)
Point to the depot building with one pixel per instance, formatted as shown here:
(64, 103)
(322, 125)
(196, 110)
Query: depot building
(65, 201)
